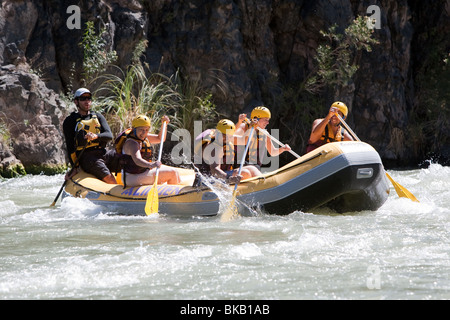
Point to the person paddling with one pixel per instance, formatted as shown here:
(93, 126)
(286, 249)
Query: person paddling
(216, 147)
(89, 130)
(329, 129)
(260, 116)
(135, 146)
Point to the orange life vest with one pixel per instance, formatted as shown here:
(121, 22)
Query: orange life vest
(146, 150)
(328, 136)
(208, 137)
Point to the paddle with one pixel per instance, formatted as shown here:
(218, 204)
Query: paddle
(277, 141)
(232, 210)
(65, 181)
(401, 191)
(152, 202)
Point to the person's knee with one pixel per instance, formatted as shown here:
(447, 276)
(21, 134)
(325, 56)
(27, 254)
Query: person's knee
(171, 176)
(176, 176)
(249, 172)
(246, 174)
(255, 171)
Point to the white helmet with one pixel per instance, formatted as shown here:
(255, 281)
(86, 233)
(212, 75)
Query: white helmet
(80, 92)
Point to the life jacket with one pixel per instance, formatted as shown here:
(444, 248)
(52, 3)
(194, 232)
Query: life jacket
(256, 148)
(82, 128)
(327, 137)
(208, 137)
(128, 163)
(257, 145)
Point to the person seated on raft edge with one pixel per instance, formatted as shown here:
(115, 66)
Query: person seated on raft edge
(135, 143)
(89, 131)
(329, 129)
(261, 116)
(217, 151)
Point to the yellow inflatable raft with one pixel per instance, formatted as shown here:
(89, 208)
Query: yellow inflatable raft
(345, 176)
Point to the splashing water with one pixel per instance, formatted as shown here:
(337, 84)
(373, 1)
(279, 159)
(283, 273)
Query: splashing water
(78, 250)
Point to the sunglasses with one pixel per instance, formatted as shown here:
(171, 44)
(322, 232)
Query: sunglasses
(84, 98)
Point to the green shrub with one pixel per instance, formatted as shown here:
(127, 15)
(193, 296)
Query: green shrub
(96, 54)
(335, 63)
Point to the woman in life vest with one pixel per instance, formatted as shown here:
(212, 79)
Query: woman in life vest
(329, 128)
(89, 131)
(260, 143)
(217, 151)
(139, 169)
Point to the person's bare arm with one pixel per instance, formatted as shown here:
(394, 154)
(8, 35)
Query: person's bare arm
(133, 149)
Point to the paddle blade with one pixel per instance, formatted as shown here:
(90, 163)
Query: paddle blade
(401, 191)
(232, 211)
(152, 203)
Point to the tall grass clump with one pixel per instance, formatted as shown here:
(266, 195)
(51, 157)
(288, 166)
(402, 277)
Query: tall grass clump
(197, 103)
(126, 93)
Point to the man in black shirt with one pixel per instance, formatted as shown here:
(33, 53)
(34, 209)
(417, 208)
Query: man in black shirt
(87, 130)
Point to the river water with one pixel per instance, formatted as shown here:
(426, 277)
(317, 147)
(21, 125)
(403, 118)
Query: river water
(78, 250)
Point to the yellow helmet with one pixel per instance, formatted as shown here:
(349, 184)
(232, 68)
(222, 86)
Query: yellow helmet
(341, 107)
(260, 112)
(225, 125)
(140, 121)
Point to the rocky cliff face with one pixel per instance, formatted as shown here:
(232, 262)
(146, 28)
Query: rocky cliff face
(254, 48)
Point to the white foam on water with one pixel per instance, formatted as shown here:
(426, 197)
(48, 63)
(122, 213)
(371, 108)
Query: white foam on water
(78, 250)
